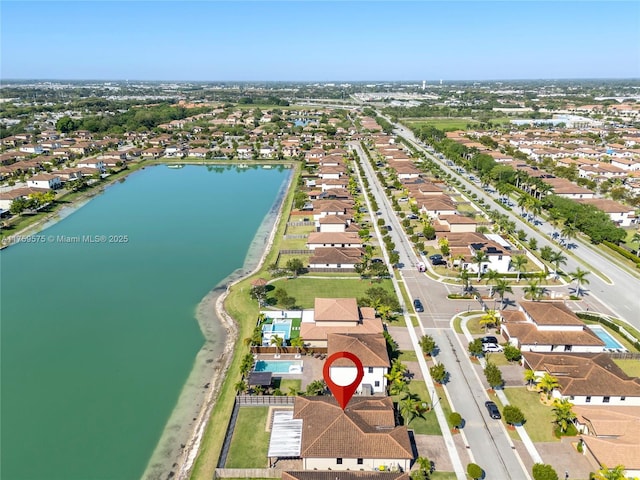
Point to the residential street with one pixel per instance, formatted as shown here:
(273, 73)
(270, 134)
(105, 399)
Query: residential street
(619, 294)
(465, 390)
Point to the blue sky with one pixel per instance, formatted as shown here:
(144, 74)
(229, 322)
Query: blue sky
(319, 40)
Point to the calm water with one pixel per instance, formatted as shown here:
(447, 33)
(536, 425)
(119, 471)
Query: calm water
(98, 339)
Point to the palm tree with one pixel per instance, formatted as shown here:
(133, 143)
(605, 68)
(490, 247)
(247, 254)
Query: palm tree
(548, 383)
(518, 262)
(479, 258)
(557, 259)
(580, 277)
(615, 473)
(491, 276)
(410, 407)
(240, 387)
(278, 341)
(564, 416)
(502, 287)
(534, 290)
(636, 239)
(464, 278)
(297, 342)
(490, 317)
(568, 231)
(424, 463)
(530, 377)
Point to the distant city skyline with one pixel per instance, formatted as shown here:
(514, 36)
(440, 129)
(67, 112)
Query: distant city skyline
(310, 41)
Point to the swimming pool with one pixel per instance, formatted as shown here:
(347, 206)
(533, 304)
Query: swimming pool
(279, 326)
(279, 366)
(609, 341)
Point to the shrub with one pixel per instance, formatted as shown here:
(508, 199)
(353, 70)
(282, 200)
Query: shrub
(475, 347)
(512, 353)
(455, 419)
(542, 471)
(493, 375)
(438, 373)
(474, 471)
(513, 415)
(428, 344)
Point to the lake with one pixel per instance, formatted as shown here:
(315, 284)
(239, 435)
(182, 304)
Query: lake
(98, 320)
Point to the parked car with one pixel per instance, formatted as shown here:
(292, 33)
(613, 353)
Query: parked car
(489, 339)
(491, 348)
(437, 259)
(417, 305)
(492, 408)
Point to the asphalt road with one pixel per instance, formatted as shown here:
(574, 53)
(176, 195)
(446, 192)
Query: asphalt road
(617, 289)
(486, 438)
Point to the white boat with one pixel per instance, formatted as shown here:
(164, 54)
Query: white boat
(175, 166)
(267, 166)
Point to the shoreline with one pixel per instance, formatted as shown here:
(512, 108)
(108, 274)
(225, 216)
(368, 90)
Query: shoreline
(179, 443)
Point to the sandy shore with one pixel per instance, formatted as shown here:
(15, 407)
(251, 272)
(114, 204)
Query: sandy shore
(178, 447)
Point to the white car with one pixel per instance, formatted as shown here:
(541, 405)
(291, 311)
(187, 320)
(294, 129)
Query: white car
(491, 347)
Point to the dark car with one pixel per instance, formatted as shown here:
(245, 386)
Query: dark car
(489, 339)
(417, 305)
(437, 259)
(492, 408)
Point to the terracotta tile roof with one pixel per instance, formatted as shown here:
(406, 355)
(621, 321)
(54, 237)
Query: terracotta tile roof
(371, 349)
(528, 334)
(583, 374)
(334, 237)
(550, 313)
(365, 429)
(336, 309)
(333, 220)
(318, 332)
(343, 256)
(614, 437)
(343, 475)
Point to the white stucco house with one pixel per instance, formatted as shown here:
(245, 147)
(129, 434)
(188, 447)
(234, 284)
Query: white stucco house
(371, 350)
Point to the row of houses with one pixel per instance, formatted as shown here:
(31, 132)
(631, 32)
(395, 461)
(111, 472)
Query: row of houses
(556, 342)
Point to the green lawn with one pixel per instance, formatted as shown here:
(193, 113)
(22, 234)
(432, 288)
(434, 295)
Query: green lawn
(539, 418)
(408, 356)
(443, 476)
(429, 424)
(285, 384)
(250, 440)
(630, 367)
(443, 123)
(305, 290)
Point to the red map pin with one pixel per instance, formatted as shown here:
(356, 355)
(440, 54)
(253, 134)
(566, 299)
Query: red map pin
(343, 393)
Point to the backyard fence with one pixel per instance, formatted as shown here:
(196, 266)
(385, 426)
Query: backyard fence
(247, 473)
(260, 400)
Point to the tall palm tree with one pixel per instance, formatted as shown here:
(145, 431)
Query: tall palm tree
(564, 416)
(530, 377)
(479, 258)
(297, 343)
(569, 231)
(518, 262)
(548, 383)
(502, 287)
(490, 317)
(636, 239)
(534, 290)
(278, 342)
(490, 277)
(410, 407)
(615, 473)
(580, 278)
(464, 278)
(557, 259)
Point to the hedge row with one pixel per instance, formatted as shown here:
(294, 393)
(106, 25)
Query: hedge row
(625, 253)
